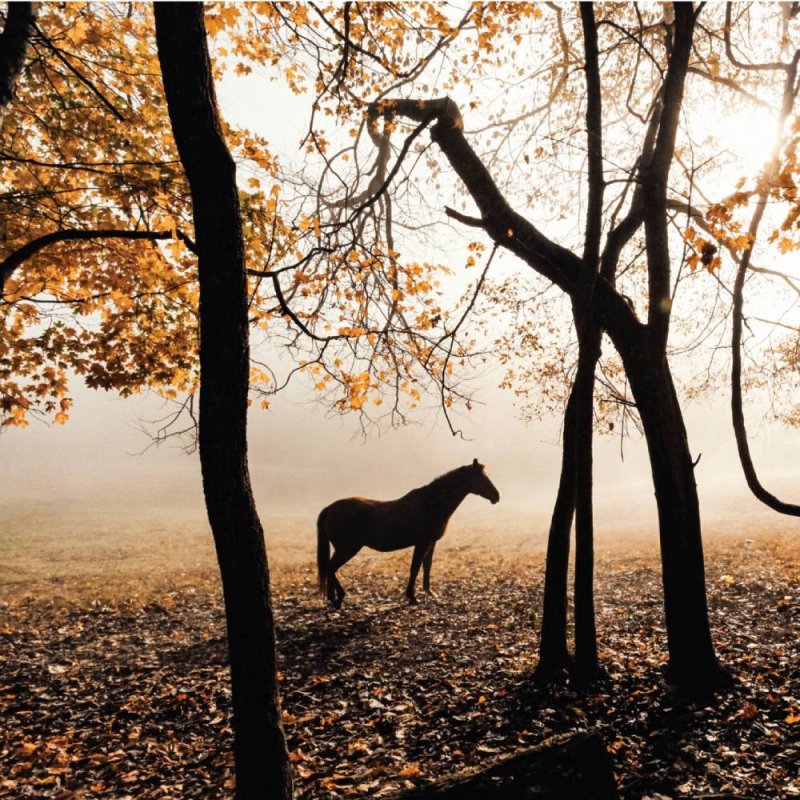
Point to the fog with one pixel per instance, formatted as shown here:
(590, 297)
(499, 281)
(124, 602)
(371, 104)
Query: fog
(98, 469)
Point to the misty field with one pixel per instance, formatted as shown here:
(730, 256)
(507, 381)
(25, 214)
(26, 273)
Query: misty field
(113, 676)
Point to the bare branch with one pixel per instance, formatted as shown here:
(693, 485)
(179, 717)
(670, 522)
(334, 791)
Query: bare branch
(737, 405)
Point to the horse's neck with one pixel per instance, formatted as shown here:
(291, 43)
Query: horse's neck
(447, 499)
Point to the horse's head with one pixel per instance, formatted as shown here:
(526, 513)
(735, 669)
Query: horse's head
(480, 483)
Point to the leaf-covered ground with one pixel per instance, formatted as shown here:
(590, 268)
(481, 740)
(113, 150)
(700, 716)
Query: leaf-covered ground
(128, 696)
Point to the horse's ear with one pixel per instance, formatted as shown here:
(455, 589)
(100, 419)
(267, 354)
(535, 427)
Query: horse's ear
(475, 463)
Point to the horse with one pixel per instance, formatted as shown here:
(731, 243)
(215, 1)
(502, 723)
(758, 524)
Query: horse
(418, 519)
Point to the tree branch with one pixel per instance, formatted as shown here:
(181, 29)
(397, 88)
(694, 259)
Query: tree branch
(654, 190)
(764, 67)
(79, 75)
(22, 254)
(737, 405)
(507, 228)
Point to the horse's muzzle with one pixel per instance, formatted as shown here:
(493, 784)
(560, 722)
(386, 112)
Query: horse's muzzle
(496, 500)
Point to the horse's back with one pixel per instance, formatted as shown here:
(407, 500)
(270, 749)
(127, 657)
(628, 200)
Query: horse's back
(382, 525)
(348, 520)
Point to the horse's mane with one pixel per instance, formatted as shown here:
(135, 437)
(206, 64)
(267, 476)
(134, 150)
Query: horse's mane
(446, 479)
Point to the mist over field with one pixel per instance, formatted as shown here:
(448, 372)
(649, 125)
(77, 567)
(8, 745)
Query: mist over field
(89, 485)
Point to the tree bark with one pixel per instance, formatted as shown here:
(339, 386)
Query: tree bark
(693, 664)
(576, 767)
(262, 766)
(554, 657)
(585, 668)
(13, 43)
(589, 336)
(574, 498)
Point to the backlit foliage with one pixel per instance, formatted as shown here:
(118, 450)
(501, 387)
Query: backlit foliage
(357, 275)
(85, 147)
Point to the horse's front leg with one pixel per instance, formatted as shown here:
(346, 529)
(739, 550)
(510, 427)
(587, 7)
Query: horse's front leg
(426, 570)
(416, 562)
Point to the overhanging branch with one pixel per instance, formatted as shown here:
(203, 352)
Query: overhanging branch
(22, 254)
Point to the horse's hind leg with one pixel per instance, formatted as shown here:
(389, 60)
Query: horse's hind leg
(336, 591)
(416, 562)
(426, 570)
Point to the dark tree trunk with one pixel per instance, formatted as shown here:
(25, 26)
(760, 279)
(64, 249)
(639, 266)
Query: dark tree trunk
(693, 665)
(554, 657)
(262, 767)
(585, 669)
(13, 43)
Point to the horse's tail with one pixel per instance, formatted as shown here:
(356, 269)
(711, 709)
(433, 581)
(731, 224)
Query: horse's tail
(323, 553)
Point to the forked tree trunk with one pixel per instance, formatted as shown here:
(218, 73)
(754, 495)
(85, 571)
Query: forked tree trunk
(693, 665)
(574, 498)
(554, 657)
(262, 766)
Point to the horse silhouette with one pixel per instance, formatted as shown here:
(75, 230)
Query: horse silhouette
(418, 519)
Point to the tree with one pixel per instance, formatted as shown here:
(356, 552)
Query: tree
(262, 764)
(641, 345)
(94, 107)
(767, 185)
(82, 232)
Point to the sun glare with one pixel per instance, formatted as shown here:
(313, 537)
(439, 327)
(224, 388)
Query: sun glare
(747, 137)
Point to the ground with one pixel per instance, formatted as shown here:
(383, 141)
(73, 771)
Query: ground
(113, 680)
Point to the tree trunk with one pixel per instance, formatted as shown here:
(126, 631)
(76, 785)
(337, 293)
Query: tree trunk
(693, 664)
(576, 767)
(585, 669)
(574, 497)
(262, 767)
(554, 657)
(13, 43)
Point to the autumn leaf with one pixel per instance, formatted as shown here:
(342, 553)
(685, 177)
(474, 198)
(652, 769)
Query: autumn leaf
(749, 712)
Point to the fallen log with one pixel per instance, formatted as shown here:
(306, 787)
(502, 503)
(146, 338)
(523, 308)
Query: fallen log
(568, 767)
